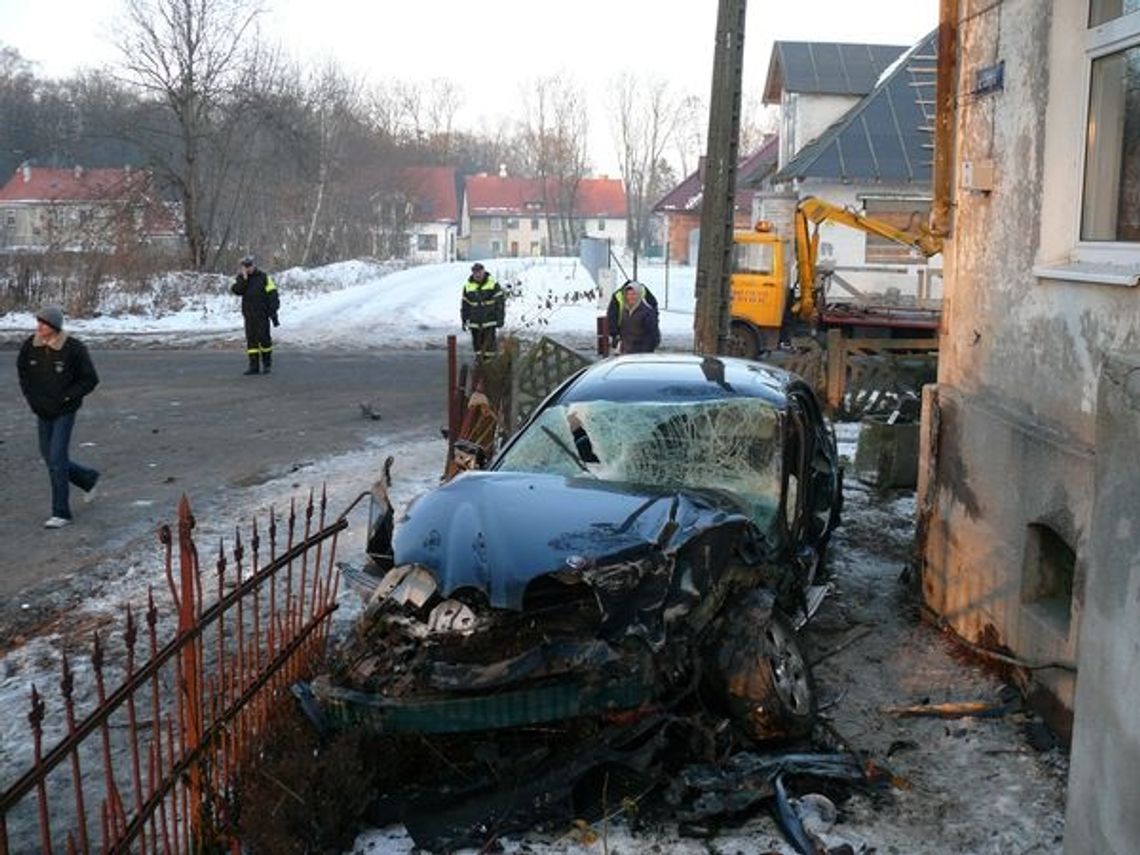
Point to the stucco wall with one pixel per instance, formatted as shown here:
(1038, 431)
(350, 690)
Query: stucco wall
(1020, 353)
(1104, 780)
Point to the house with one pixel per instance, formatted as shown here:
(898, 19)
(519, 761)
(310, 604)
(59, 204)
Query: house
(1029, 492)
(681, 206)
(856, 123)
(101, 210)
(417, 214)
(509, 216)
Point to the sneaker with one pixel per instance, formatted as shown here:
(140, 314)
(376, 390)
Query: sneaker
(56, 522)
(90, 495)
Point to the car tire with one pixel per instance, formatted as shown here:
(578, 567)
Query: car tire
(760, 673)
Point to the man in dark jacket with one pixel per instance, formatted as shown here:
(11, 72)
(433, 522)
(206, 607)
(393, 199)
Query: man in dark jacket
(638, 329)
(259, 304)
(482, 310)
(616, 309)
(56, 373)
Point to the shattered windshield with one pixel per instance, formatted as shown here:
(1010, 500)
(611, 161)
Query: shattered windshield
(725, 444)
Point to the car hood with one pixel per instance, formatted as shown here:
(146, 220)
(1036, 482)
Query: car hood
(497, 531)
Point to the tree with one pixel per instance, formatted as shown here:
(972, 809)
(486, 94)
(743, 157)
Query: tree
(553, 139)
(644, 116)
(190, 57)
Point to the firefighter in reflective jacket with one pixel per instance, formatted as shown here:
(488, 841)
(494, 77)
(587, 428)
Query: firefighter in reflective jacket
(259, 304)
(482, 310)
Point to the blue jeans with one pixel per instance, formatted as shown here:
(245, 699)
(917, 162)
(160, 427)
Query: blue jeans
(55, 437)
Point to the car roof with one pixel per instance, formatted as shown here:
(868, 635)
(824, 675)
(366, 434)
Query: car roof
(677, 377)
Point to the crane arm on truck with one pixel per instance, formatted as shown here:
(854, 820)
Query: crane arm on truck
(811, 212)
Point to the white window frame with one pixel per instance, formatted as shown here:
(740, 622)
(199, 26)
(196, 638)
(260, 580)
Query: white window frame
(1107, 38)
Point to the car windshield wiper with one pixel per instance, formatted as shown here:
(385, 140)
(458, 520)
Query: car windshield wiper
(569, 451)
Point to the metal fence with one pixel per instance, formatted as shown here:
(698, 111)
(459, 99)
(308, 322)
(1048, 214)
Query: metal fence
(153, 767)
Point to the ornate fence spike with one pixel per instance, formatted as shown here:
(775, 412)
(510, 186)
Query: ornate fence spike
(205, 694)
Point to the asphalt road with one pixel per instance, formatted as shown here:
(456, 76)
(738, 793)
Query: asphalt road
(164, 423)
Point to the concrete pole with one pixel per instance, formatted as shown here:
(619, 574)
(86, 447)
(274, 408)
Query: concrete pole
(714, 255)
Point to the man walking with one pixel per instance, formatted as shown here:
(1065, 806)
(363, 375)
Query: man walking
(482, 310)
(259, 304)
(56, 373)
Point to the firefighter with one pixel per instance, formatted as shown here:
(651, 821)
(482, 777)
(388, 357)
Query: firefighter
(482, 310)
(259, 304)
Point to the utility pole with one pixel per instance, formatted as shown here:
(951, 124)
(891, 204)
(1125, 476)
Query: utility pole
(714, 255)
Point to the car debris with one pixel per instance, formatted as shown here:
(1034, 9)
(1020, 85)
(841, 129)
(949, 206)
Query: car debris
(634, 563)
(950, 709)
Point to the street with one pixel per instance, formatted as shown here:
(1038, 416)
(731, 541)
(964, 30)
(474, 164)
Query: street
(164, 423)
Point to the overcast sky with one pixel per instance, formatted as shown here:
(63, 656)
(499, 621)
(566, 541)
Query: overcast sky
(491, 46)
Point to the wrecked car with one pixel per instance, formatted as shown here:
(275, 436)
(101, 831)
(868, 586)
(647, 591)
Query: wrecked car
(652, 535)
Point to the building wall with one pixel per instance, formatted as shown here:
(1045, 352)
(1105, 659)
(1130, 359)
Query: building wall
(1104, 782)
(805, 117)
(445, 249)
(1011, 440)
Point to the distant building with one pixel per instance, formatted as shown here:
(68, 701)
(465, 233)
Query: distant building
(417, 214)
(681, 206)
(856, 130)
(506, 216)
(92, 210)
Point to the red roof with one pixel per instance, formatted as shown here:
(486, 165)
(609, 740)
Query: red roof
(40, 184)
(431, 189)
(494, 194)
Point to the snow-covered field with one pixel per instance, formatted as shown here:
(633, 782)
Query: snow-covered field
(362, 304)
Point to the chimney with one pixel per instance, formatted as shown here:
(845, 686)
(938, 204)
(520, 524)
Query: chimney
(27, 170)
(502, 170)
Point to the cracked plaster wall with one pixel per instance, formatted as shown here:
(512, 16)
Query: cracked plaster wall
(1020, 355)
(1104, 784)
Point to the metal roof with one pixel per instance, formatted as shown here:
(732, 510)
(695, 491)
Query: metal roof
(826, 68)
(887, 136)
(688, 195)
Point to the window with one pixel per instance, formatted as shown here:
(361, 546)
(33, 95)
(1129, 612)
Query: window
(601, 225)
(1110, 202)
(535, 248)
(903, 214)
(11, 221)
(496, 247)
(427, 243)
(534, 224)
(1103, 11)
(1047, 576)
(496, 224)
(512, 222)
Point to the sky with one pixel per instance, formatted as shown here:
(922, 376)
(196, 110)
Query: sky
(493, 46)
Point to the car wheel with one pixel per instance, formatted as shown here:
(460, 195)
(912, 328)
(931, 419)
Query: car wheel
(761, 674)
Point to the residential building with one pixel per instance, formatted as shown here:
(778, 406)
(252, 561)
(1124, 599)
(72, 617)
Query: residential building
(508, 216)
(102, 210)
(1030, 477)
(417, 214)
(681, 206)
(856, 123)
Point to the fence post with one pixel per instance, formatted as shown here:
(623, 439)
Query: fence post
(836, 368)
(191, 704)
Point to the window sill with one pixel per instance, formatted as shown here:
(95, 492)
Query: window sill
(1091, 273)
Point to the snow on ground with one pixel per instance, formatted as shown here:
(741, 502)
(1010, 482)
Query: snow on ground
(364, 304)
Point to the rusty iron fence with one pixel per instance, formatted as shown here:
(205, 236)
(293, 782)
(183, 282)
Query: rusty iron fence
(153, 766)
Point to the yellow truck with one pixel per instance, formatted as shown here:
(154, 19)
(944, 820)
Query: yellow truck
(767, 302)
